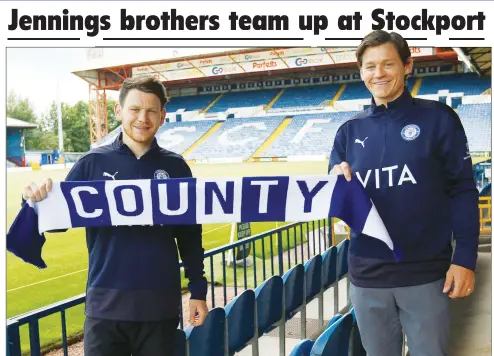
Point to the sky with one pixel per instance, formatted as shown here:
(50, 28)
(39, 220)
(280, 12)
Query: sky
(34, 73)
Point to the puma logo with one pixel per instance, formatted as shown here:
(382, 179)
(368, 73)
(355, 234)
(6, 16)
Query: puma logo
(109, 175)
(361, 142)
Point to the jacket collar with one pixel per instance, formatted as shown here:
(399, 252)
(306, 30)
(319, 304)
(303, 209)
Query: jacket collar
(404, 100)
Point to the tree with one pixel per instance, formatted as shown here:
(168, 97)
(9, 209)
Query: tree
(75, 126)
(35, 139)
(113, 123)
(20, 108)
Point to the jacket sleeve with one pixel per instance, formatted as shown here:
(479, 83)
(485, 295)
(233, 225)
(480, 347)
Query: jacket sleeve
(189, 241)
(460, 187)
(76, 173)
(79, 171)
(338, 152)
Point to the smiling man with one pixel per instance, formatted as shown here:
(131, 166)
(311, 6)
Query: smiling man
(133, 290)
(416, 168)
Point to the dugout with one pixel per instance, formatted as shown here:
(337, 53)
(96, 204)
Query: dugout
(16, 154)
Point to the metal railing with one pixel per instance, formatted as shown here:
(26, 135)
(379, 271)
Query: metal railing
(271, 253)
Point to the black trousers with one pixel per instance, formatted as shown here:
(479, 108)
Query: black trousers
(124, 338)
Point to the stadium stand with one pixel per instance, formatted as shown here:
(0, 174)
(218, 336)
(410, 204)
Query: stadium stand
(178, 136)
(233, 327)
(477, 121)
(243, 99)
(237, 138)
(190, 103)
(354, 91)
(306, 96)
(308, 134)
(468, 84)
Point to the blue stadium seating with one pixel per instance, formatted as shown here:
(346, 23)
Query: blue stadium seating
(313, 271)
(334, 319)
(178, 136)
(293, 280)
(209, 338)
(477, 121)
(316, 140)
(469, 84)
(240, 314)
(302, 348)
(243, 99)
(356, 90)
(237, 138)
(306, 96)
(335, 339)
(329, 258)
(190, 103)
(342, 259)
(410, 83)
(269, 309)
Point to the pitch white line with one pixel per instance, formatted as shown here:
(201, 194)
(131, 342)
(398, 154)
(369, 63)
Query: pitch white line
(82, 270)
(47, 280)
(221, 227)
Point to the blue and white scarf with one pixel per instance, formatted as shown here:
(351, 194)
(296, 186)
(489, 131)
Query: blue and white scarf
(192, 201)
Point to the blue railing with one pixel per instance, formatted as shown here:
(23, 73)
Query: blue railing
(277, 250)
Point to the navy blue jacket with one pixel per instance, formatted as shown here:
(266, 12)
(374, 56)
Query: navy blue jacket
(134, 271)
(413, 160)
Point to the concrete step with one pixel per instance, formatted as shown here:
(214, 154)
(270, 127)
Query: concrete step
(485, 247)
(484, 239)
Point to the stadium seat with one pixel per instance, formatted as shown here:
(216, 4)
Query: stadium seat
(180, 341)
(333, 320)
(329, 258)
(302, 348)
(335, 339)
(313, 269)
(342, 260)
(466, 83)
(240, 314)
(178, 136)
(209, 338)
(308, 134)
(269, 309)
(313, 95)
(241, 99)
(189, 103)
(355, 90)
(237, 138)
(293, 281)
(477, 121)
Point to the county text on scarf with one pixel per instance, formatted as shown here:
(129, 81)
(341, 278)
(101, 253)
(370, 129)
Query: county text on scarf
(192, 201)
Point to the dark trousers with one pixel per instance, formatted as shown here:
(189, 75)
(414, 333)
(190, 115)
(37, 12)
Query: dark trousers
(125, 338)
